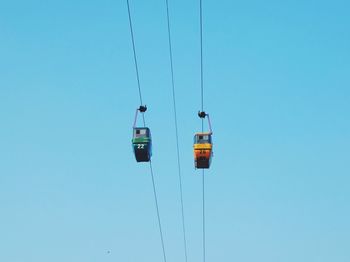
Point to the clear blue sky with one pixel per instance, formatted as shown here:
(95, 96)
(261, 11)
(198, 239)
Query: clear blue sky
(277, 87)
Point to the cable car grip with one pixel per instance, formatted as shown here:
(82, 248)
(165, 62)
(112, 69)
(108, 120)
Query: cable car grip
(201, 114)
(142, 109)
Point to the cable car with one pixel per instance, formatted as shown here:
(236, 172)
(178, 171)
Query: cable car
(142, 144)
(203, 146)
(202, 150)
(141, 139)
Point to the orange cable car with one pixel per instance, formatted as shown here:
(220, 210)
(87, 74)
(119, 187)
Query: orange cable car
(203, 146)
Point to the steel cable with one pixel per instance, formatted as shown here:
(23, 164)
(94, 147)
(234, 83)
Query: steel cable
(158, 216)
(144, 122)
(176, 129)
(202, 106)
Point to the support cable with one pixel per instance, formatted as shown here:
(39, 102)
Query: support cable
(135, 59)
(144, 122)
(134, 51)
(158, 216)
(202, 105)
(203, 207)
(201, 44)
(176, 130)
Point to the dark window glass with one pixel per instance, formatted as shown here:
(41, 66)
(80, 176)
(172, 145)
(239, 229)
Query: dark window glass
(141, 133)
(201, 139)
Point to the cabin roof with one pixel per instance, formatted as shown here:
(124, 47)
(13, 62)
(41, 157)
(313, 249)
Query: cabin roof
(203, 133)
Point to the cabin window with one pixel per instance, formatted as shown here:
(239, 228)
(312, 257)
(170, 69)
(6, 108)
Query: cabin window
(201, 139)
(141, 132)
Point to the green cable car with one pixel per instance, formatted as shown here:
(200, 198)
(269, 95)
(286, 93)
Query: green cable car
(141, 139)
(142, 144)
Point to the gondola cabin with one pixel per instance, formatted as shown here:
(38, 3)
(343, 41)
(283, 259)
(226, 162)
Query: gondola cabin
(142, 144)
(202, 148)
